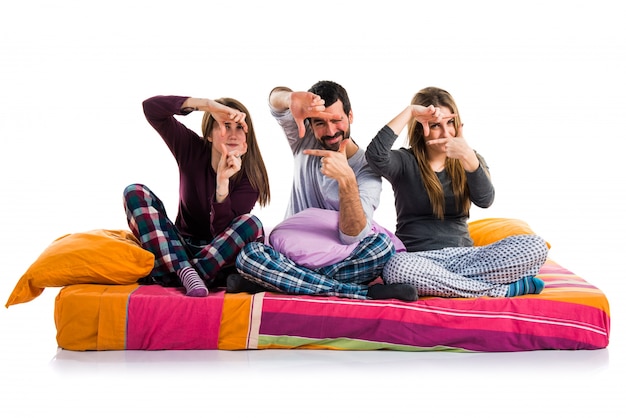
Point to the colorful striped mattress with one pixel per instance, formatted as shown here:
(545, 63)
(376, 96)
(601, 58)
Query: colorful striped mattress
(570, 314)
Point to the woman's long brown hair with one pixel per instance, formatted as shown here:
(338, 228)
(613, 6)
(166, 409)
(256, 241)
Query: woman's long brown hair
(438, 98)
(252, 160)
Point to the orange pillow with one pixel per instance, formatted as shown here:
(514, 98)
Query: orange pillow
(95, 257)
(489, 230)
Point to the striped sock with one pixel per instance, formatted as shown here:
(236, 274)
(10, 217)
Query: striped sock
(193, 283)
(525, 286)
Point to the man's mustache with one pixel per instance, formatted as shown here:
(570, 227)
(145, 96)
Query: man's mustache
(337, 135)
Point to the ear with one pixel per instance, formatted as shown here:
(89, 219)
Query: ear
(350, 116)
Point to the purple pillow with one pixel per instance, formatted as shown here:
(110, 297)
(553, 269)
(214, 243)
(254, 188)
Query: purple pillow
(310, 238)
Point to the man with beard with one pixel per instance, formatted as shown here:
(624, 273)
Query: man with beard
(332, 178)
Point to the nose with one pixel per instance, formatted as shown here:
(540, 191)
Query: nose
(331, 129)
(232, 133)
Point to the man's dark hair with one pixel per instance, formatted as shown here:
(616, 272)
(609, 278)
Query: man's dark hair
(330, 92)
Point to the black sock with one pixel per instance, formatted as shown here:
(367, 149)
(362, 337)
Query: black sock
(235, 283)
(400, 291)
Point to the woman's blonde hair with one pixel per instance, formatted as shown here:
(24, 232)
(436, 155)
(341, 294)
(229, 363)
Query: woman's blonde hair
(438, 98)
(252, 161)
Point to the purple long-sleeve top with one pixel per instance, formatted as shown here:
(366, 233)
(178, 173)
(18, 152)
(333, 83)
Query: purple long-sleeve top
(199, 215)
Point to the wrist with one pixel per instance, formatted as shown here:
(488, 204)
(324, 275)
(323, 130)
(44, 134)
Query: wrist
(188, 106)
(187, 110)
(280, 98)
(221, 189)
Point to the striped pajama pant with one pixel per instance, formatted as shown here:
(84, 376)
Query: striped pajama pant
(469, 271)
(148, 221)
(348, 278)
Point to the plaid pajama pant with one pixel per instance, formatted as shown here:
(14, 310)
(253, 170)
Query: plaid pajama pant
(148, 221)
(348, 278)
(469, 272)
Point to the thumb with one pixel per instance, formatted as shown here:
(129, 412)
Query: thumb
(301, 128)
(222, 127)
(342, 146)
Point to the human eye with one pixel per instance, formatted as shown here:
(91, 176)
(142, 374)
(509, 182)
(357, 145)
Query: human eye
(434, 125)
(451, 121)
(240, 126)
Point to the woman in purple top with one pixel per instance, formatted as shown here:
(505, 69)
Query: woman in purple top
(222, 177)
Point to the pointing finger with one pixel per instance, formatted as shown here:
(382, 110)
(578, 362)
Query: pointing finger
(317, 152)
(437, 141)
(342, 146)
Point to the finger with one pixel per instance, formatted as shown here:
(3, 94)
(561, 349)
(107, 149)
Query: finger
(436, 141)
(342, 146)
(224, 152)
(244, 148)
(317, 152)
(233, 157)
(221, 126)
(317, 101)
(426, 127)
(459, 132)
(316, 108)
(328, 115)
(301, 128)
(240, 118)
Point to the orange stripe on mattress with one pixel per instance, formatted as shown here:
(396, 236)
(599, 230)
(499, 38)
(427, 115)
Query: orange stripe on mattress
(236, 331)
(113, 317)
(83, 322)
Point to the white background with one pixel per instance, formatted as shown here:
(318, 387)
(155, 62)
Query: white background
(540, 86)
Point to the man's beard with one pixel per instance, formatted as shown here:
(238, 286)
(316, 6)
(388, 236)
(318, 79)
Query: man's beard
(334, 147)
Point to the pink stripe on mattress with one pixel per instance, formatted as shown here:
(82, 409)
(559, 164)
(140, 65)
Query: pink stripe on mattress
(483, 312)
(484, 324)
(422, 336)
(151, 327)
